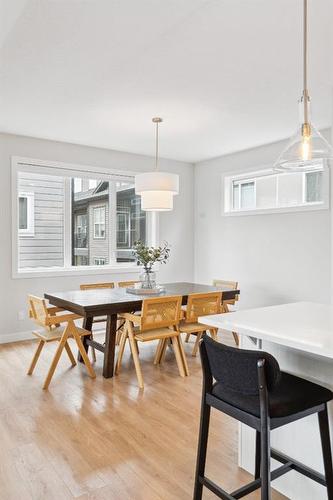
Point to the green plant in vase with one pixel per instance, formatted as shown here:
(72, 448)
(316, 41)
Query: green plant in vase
(147, 256)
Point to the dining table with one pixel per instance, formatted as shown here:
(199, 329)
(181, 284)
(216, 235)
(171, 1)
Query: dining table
(110, 302)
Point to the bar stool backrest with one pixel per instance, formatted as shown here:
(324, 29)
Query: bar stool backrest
(160, 312)
(237, 369)
(202, 304)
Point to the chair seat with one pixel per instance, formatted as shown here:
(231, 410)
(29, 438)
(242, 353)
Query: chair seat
(192, 327)
(157, 333)
(56, 333)
(292, 395)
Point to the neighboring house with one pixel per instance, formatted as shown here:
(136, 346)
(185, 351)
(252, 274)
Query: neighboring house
(92, 225)
(42, 221)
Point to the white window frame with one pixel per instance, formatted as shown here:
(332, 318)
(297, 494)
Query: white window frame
(30, 229)
(248, 176)
(73, 170)
(97, 234)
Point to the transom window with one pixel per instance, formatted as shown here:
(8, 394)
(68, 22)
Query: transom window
(65, 219)
(267, 191)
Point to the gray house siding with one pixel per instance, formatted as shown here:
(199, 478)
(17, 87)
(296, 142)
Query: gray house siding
(46, 246)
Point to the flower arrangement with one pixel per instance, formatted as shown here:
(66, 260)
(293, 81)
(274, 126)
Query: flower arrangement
(147, 256)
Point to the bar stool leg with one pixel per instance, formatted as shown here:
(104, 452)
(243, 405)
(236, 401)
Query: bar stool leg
(265, 461)
(202, 450)
(258, 456)
(327, 453)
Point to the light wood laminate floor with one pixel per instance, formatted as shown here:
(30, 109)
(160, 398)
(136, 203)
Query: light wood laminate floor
(104, 439)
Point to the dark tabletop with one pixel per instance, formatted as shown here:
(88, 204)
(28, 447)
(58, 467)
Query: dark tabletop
(113, 300)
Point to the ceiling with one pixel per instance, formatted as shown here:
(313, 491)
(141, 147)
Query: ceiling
(224, 74)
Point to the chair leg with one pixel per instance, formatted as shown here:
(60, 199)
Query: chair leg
(187, 338)
(202, 449)
(178, 356)
(158, 352)
(40, 346)
(236, 338)
(265, 469)
(83, 353)
(55, 360)
(196, 345)
(257, 458)
(135, 355)
(327, 453)
(213, 333)
(163, 350)
(122, 345)
(182, 353)
(70, 354)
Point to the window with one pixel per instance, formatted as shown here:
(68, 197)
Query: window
(77, 185)
(314, 187)
(99, 222)
(123, 229)
(99, 261)
(266, 191)
(26, 214)
(243, 195)
(63, 222)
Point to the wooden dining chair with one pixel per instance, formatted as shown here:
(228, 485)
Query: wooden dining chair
(159, 320)
(200, 304)
(229, 305)
(52, 330)
(125, 284)
(99, 319)
(121, 321)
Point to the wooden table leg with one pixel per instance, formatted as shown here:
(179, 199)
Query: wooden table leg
(87, 325)
(110, 343)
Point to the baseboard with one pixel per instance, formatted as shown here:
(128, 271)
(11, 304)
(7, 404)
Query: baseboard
(16, 337)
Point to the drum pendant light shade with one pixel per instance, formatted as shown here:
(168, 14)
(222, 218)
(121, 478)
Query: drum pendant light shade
(156, 188)
(156, 181)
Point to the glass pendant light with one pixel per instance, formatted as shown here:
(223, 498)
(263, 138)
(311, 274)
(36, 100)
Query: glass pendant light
(156, 188)
(307, 147)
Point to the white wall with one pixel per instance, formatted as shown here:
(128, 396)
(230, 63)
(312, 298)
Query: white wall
(176, 227)
(275, 257)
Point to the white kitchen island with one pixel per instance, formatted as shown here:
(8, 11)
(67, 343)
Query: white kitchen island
(300, 336)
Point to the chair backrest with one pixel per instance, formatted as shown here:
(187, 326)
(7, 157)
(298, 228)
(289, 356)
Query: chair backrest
(38, 310)
(202, 304)
(125, 284)
(232, 285)
(236, 369)
(160, 312)
(91, 286)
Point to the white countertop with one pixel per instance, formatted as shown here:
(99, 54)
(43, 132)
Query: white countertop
(306, 326)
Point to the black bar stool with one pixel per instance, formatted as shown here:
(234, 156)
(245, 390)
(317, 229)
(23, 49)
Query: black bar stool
(250, 387)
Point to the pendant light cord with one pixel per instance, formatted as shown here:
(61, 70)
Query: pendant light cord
(305, 62)
(156, 153)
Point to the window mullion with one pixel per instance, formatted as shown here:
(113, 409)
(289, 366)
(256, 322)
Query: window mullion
(67, 223)
(112, 222)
